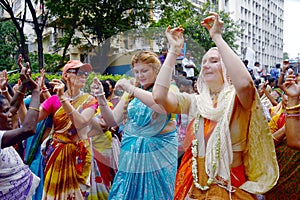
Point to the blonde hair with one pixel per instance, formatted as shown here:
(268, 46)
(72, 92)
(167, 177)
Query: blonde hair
(144, 57)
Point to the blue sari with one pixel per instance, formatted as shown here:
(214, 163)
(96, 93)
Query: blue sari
(33, 156)
(148, 159)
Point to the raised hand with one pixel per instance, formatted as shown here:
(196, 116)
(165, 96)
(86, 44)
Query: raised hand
(175, 37)
(96, 87)
(290, 86)
(27, 81)
(213, 24)
(41, 79)
(286, 65)
(3, 80)
(58, 87)
(24, 70)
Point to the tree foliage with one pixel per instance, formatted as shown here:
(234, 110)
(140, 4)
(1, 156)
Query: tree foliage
(51, 62)
(9, 40)
(19, 20)
(197, 37)
(99, 20)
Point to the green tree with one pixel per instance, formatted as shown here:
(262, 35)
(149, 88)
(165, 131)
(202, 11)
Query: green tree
(38, 23)
(51, 63)
(19, 24)
(99, 21)
(197, 37)
(9, 45)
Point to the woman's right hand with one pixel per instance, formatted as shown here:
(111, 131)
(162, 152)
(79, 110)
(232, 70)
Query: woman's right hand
(23, 70)
(290, 86)
(175, 38)
(58, 87)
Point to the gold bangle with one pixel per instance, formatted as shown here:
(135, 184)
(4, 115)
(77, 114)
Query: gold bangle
(33, 108)
(44, 90)
(18, 91)
(292, 111)
(293, 107)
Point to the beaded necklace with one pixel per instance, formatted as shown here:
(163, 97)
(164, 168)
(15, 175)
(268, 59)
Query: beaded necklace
(195, 155)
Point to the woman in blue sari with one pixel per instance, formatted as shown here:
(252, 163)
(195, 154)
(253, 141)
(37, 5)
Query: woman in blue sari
(148, 154)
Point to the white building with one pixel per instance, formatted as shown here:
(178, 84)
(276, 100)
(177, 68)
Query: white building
(262, 24)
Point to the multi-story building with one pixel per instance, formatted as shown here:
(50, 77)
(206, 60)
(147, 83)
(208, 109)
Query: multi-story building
(262, 27)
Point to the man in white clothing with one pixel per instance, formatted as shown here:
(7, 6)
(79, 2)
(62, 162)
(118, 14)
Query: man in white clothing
(188, 65)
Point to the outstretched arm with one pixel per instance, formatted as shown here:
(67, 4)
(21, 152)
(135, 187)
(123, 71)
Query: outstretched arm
(161, 93)
(143, 95)
(236, 70)
(29, 125)
(109, 118)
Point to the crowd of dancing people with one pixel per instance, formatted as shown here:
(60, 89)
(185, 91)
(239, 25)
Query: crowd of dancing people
(229, 134)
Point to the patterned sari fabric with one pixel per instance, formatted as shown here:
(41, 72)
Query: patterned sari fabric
(16, 179)
(184, 178)
(288, 185)
(253, 177)
(277, 121)
(148, 158)
(104, 165)
(68, 161)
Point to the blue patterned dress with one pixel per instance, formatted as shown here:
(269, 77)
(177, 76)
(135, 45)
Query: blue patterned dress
(148, 159)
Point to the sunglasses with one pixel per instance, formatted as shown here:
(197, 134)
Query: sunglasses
(78, 72)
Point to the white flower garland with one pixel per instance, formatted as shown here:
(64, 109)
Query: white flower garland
(194, 161)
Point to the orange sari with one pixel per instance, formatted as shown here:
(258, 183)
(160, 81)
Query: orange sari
(184, 178)
(68, 161)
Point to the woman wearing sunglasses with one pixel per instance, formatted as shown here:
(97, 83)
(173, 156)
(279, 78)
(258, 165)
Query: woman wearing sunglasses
(66, 152)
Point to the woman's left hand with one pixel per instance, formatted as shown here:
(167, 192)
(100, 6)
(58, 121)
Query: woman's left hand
(58, 87)
(213, 24)
(125, 85)
(97, 87)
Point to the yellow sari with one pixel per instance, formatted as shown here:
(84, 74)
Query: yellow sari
(68, 161)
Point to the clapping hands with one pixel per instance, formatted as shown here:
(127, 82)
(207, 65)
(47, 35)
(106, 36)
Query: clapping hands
(25, 75)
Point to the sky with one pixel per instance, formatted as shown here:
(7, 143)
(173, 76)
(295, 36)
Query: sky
(291, 28)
